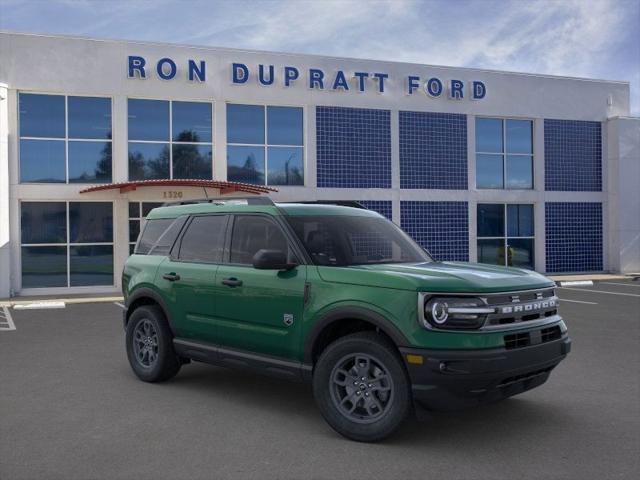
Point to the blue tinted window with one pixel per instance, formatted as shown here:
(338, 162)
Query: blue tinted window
(519, 171)
(520, 220)
(245, 164)
(245, 124)
(285, 166)
(519, 136)
(89, 162)
(489, 135)
(284, 126)
(192, 161)
(91, 265)
(89, 117)
(191, 122)
(148, 120)
(489, 171)
(43, 222)
(44, 267)
(490, 220)
(41, 115)
(42, 161)
(148, 161)
(90, 222)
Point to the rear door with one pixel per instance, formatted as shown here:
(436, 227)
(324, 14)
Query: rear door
(259, 310)
(188, 276)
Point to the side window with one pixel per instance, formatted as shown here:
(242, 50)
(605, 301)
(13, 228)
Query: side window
(252, 233)
(204, 239)
(153, 229)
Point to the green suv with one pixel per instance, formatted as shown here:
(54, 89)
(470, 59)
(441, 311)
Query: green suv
(340, 297)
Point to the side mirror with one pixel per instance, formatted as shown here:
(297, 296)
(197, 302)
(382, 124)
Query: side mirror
(271, 260)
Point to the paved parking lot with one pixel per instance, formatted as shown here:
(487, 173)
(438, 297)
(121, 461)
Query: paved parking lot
(70, 408)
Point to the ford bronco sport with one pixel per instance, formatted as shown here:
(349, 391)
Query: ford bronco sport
(339, 297)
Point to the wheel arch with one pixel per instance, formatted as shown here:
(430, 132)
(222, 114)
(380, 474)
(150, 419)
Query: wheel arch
(328, 322)
(147, 296)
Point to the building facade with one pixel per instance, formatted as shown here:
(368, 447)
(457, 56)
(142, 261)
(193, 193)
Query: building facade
(527, 170)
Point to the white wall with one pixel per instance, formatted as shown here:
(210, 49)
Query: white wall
(50, 64)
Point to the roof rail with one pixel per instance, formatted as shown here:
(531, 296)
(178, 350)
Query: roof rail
(250, 200)
(342, 203)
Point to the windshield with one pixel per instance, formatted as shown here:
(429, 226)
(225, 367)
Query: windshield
(339, 240)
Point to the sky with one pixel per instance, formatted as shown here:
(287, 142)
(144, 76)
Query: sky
(579, 38)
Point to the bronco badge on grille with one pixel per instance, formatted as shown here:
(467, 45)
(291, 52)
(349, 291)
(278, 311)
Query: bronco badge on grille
(528, 307)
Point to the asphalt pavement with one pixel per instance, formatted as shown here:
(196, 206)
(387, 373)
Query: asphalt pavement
(70, 408)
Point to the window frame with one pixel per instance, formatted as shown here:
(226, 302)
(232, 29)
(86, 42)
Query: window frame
(292, 241)
(140, 219)
(504, 154)
(170, 142)
(174, 253)
(66, 139)
(67, 244)
(266, 145)
(506, 236)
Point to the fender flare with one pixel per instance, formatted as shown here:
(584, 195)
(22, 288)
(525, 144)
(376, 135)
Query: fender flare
(145, 292)
(356, 313)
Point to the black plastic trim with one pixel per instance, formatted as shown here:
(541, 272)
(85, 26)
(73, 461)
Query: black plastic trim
(231, 358)
(144, 292)
(355, 313)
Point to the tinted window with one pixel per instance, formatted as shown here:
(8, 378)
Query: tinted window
(521, 253)
(245, 124)
(204, 239)
(148, 120)
(285, 166)
(89, 117)
(345, 240)
(163, 245)
(89, 162)
(90, 222)
(253, 233)
(148, 161)
(519, 136)
(519, 172)
(192, 161)
(44, 222)
(489, 135)
(42, 161)
(153, 229)
(91, 265)
(284, 126)
(191, 122)
(44, 267)
(489, 171)
(520, 220)
(490, 220)
(245, 164)
(42, 116)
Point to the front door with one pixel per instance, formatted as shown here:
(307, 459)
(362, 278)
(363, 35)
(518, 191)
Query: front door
(259, 310)
(188, 277)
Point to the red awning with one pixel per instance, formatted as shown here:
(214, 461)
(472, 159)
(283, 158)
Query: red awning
(225, 187)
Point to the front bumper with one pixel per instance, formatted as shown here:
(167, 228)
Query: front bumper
(454, 379)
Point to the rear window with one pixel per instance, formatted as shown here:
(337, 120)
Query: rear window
(158, 236)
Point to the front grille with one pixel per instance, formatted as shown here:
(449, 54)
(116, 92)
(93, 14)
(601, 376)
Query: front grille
(519, 307)
(520, 340)
(525, 376)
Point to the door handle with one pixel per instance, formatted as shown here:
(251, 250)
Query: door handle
(172, 277)
(232, 282)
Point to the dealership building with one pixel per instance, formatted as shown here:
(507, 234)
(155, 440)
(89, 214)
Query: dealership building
(535, 171)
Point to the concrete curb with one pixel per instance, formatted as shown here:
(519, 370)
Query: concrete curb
(68, 301)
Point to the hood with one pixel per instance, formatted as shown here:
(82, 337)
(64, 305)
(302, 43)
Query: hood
(454, 277)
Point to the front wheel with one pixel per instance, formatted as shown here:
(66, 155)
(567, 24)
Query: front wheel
(149, 345)
(361, 387)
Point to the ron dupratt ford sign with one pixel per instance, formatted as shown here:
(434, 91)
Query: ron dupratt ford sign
(314, 78)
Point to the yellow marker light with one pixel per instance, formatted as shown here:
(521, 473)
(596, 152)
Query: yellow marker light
(415, 359)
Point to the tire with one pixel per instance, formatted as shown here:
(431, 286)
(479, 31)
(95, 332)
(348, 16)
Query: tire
(384, 398)
(149, 345)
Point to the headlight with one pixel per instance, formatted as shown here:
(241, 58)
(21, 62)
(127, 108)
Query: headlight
(455, 313)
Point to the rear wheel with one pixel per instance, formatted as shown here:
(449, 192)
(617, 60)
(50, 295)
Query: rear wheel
(361, 387)
(149, 345)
